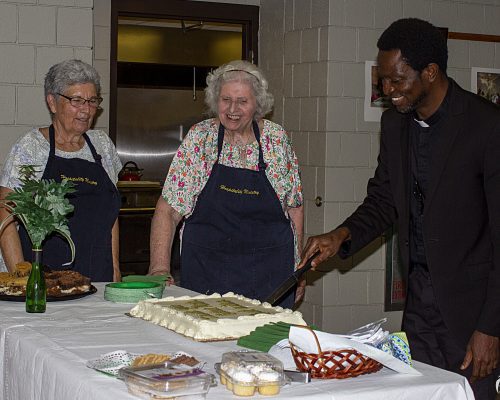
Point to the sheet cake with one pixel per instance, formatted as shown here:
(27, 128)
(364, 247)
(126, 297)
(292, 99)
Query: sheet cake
(213, 317)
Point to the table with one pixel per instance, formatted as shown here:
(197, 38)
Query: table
(43, 356)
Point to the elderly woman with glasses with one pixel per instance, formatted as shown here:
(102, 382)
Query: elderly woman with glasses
(70, 149)
(235, 181)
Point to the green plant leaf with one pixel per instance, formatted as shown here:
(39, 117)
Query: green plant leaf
(67, 235)
(41, 206)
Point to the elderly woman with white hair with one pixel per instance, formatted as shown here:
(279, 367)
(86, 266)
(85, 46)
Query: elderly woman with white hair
(235, 182)
(70, 149)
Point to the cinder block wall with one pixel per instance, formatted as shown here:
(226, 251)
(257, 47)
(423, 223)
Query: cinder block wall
(35, 34)
(101, 61)
(314, 53)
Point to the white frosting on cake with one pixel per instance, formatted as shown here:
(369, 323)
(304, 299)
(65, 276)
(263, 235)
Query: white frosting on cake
(213, 317)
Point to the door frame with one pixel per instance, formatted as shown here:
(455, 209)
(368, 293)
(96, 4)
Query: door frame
(246, 15)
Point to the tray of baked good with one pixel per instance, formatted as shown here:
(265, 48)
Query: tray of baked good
(61, 285)
(62, 297)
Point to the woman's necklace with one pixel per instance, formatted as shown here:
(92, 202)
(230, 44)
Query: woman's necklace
(240, 141)
(63, 143)
(70, 146)
(242, 144)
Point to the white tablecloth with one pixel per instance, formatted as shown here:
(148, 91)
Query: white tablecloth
(43, 356)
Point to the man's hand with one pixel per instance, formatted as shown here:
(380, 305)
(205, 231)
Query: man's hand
(482, 351)
(327, 244)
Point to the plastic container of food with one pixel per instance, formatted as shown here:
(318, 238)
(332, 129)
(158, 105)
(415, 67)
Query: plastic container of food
(167, 381)
(247, 373)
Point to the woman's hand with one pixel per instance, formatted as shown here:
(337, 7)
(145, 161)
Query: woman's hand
(301, 290)
(170, 281)
(163, 226)
(10, 243)
(161, 271)
(115, 245)
(117, 276)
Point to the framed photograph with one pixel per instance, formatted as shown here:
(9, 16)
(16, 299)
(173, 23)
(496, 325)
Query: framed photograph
(395, 273)
(375, 102)
(486, 83)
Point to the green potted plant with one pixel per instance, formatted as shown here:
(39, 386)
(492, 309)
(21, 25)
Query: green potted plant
(42, 207)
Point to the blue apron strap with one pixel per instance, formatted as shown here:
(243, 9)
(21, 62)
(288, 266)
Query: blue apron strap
(256, 131)
(52, 140)
(97, 157)
(220, 140)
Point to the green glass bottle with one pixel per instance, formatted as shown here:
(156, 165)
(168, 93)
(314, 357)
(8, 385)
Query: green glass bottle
(36, 290)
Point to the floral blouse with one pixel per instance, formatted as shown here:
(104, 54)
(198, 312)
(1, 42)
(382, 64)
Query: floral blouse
(193, 162)
(197, 154)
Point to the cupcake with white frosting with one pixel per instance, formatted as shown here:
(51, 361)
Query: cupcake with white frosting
(224, 368)
(231, 369)
(243, 382)
(256, 369)
(268, 381)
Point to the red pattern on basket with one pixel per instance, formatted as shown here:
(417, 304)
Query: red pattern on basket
(333, 364)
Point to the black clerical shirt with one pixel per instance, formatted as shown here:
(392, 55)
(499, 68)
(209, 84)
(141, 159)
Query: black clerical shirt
(422, 137)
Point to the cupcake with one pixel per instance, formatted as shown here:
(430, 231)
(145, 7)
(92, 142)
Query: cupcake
(228, 377)
(225, 371)
(256, 369)
(269, 382)
(243, 382)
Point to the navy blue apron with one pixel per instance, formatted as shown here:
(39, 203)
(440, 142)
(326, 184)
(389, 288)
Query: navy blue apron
(96, 203)
(238, 238)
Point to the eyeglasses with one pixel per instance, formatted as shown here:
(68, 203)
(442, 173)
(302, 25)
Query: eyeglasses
(80, 101)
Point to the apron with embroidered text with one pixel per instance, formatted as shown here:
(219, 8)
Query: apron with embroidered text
(238, 238)
(96, 205)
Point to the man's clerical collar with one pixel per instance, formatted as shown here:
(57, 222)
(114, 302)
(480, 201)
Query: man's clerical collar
(422, 123)
(442, 110)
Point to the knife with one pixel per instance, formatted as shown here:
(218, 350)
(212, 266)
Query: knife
(289, 282)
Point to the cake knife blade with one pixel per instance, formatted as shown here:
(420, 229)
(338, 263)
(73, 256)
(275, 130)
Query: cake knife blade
(289, 282)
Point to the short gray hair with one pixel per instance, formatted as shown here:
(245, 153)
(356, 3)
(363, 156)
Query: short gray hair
(68, 73)
(243, 71)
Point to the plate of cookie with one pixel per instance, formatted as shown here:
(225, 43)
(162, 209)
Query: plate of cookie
(61, 285)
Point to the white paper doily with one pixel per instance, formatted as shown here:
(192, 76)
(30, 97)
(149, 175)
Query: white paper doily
(110, 363)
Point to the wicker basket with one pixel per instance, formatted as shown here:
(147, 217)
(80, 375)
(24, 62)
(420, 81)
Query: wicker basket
(331, 364)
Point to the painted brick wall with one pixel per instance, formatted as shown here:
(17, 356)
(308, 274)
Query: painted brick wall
(35, 34)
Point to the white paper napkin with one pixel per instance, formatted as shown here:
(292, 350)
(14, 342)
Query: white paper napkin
(304, 339)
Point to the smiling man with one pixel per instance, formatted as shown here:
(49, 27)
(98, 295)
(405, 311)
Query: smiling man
(438, 180)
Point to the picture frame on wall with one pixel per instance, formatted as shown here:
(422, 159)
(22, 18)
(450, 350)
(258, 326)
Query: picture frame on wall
(375, 101)
(486, 83)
